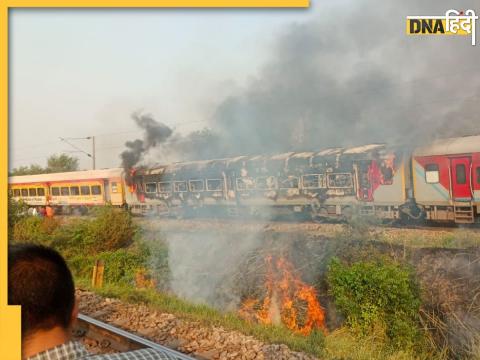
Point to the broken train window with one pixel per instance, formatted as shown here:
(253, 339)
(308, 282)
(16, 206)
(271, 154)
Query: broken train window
(343, 180)
(151, 188)
(313, 181)
(245, 183)
(387, 170)
(180, 186)
(265, 183)
(196, 185)
(214, 184)
(165, 187)
(290, 182)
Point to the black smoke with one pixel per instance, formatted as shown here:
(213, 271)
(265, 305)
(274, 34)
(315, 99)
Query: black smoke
(349, 76)
(155, 133)
(352, 77)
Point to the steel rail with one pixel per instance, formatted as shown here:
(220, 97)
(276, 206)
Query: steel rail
(122, 335)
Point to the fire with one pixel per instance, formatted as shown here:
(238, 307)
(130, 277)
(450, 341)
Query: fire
(287, 300)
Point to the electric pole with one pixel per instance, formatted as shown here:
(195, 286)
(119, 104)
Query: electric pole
(92, 155)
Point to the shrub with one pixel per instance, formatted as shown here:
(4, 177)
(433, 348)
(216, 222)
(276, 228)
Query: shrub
(36, 230)
(17, 210)
(120, 265)
(377, 293)
(111, 229)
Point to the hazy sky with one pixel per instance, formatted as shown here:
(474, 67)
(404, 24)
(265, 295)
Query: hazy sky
(76, 73)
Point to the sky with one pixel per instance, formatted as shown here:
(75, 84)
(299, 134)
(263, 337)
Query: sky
(343, 69)
(78, 73)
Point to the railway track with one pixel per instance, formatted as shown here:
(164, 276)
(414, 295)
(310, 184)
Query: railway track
(114, 339)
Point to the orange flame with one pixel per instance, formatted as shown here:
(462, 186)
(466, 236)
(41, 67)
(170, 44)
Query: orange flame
(287, 300)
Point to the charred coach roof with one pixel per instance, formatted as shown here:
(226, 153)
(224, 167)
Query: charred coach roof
(358, 152)
(450, 146)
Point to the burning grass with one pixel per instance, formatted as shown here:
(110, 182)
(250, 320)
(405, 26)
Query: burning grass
(286, 300)
(206, 315)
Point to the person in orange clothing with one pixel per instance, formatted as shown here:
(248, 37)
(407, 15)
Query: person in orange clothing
(49, 211)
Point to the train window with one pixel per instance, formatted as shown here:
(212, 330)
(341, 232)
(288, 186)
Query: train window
(290, 182)
(55, 191)
(96, 190)
(478, 174)
(74, 190)
(24, 192)
(65, 191)
(40, 191)
(180, 186)
(461, 174)
(214, 184)
(245, 183)
(114, 187)
(313, 181)
(196, 185)
(32, 192)
(340, 181)
(432, 175)
(266, 183)
(387, 173)
(165, 187)
(16, 192)
(85, 190)
(151, 188)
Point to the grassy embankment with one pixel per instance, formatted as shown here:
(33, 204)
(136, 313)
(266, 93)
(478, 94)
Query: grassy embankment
(368, 332)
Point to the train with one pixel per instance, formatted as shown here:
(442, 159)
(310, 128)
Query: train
(437, 182)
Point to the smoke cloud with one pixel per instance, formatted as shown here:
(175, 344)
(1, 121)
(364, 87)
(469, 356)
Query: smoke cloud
(155, 133)
(347, 77)
(352, 77)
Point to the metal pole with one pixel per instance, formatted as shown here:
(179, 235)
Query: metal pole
(93, 151)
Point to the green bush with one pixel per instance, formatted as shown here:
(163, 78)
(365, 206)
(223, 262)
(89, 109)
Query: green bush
(373, 293)
(120, 265)
(111, 229)
(17, 210)
(32, 229)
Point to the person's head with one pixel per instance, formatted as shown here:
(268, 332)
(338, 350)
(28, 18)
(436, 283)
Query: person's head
(40, 281)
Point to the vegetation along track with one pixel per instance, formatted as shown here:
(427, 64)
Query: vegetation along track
(114, 339)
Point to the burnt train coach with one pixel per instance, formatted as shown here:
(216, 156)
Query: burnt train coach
(438, 182)
(446, 179)
(329, 183)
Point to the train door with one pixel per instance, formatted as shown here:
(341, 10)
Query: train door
(364, 187)
(106, 189)
(461, 178)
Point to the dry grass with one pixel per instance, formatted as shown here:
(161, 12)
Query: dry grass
(345, 343)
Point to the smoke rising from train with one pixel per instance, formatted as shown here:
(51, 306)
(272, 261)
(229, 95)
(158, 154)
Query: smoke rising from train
(155, 133)
(353, 77)
(345, 78)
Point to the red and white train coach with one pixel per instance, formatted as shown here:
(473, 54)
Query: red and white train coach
(446, 179)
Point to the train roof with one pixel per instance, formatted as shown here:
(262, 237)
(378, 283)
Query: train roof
(65, 176)
(450, 146)
(364, 151)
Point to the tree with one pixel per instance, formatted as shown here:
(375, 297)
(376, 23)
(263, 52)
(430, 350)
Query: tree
(55, 163)
(61, 163)
(27, 170)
